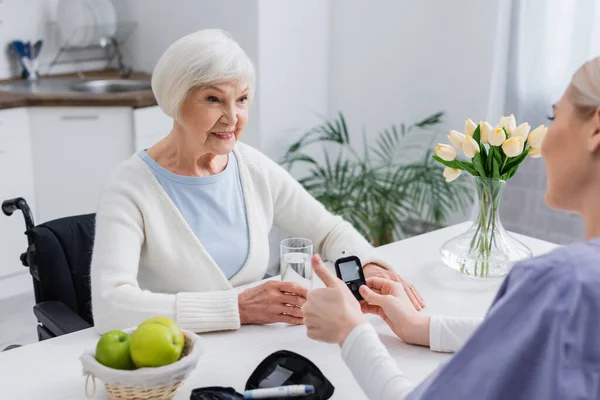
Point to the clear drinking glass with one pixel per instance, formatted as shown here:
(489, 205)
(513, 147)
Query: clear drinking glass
(295, 261)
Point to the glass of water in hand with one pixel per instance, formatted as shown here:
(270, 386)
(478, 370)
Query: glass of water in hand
(295, 261)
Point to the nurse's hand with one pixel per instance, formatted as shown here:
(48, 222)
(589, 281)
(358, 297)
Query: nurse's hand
(374, 270)
(331, 313)
(272, 301)
(388, 299)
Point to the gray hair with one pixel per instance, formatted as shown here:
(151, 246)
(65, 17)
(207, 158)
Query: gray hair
(201, 58)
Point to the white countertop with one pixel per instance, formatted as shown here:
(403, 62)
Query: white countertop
(51, 369)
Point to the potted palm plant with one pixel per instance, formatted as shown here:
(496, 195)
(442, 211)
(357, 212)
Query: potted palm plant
(379, 189)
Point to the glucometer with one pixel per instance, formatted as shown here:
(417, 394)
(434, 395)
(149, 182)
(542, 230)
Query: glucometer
(350, 270)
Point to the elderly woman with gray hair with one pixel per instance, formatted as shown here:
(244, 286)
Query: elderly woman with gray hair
(182, 224)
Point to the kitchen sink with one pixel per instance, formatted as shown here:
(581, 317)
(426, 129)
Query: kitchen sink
(71, 86)
(111, 86)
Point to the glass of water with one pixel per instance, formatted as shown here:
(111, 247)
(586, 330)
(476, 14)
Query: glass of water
(295, 261)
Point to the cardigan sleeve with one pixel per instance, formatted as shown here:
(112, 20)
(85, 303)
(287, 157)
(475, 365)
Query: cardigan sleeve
(296, 211)
(118, 302)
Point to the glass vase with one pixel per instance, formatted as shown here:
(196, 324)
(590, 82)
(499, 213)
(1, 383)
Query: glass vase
(486, 250)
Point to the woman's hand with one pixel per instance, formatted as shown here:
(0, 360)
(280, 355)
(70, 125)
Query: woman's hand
(331, 313)
(374, 270)
(272, 301)
(389, 300)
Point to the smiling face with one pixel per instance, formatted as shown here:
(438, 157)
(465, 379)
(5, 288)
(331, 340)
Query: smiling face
(214, 116)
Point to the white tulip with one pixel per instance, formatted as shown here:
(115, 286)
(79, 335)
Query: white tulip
(509, 123)
(451, 174)
(445, 152)
(513, 146)
(497, 137)
(470, 127)
(456, 138)
(537, 136)
(484, 129)
(535, 152)
(522, 130)
(470, 147)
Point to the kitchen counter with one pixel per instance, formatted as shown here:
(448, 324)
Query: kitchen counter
(136, 99)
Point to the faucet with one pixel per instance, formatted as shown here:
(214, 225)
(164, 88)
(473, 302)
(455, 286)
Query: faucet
(124, 70)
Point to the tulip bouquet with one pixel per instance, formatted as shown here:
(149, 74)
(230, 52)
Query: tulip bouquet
(495, 154)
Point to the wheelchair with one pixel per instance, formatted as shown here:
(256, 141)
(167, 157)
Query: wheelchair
(58, 256)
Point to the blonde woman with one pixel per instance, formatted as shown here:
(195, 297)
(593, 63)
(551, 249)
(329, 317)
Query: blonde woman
(540, 338)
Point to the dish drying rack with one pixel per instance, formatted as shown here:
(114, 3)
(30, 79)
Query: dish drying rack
(100, 47)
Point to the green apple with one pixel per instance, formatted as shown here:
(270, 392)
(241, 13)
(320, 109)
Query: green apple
(154, 344)
(112, 350)
(167, 322)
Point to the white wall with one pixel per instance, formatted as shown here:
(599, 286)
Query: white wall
(293, 78)
(160, 23)
(293, 89)
(402, 60)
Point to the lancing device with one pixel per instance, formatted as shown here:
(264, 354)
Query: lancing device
(281, 391)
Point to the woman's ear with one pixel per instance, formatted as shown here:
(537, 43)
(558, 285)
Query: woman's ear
(594, 144)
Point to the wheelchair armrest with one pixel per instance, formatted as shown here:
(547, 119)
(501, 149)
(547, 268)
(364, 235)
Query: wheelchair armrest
(58, 318)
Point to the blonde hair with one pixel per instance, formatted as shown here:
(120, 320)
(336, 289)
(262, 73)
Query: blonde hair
(584, 90)
(201, 58)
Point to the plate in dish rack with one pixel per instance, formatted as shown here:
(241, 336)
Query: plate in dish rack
(76, 22)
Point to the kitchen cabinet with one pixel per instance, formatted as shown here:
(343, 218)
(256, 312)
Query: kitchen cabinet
(74, 150)
(150, 125)
(16, 180)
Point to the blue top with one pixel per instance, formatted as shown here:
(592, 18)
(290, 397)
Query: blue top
(540, 338)
(213, 206)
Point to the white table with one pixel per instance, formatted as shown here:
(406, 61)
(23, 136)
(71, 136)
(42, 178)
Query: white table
(51, 369)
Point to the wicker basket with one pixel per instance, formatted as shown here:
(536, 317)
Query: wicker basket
(145, 383)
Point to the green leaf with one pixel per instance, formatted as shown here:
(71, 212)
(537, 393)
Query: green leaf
(510, 173)
(345, 133)
(433, 119)
(479, 166)
(301, 158)
(333, 133)
(468, 167)
(501, 151)
(452, 164)
(514, 161)
(484, 157)
(498, 154)
(495, 167)
(489, 160)
(295, 147)
(457, 164)
(477, 134)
